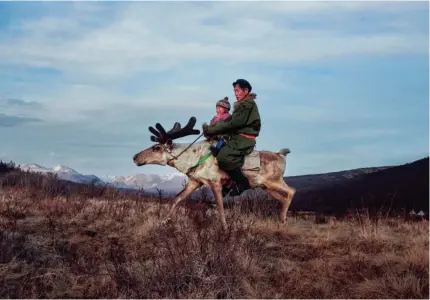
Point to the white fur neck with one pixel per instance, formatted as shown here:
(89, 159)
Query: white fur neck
(188, 158)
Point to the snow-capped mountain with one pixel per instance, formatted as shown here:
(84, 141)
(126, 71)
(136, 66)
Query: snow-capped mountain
(169, 183)
(173, 183)
(63, 172)
(149, 181)
(35, 168)
(63, 168)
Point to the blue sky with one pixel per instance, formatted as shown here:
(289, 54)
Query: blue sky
(342, 84)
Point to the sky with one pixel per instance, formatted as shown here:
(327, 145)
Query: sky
(343, 84)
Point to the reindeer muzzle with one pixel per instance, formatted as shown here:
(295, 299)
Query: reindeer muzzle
(137, 163)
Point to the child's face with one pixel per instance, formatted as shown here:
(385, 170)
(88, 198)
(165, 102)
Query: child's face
(220, 110)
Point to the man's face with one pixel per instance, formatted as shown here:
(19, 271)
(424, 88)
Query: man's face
(239, 93)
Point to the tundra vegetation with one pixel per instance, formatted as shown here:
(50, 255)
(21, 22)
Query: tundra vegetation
(63, 240)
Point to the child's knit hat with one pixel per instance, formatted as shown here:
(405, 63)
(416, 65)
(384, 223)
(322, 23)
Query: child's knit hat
(224, 103)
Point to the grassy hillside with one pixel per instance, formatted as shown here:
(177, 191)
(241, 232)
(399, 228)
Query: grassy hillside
(394, 190)
(59, 242)
(312, 181)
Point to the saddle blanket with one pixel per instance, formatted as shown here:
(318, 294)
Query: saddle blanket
(252, 161)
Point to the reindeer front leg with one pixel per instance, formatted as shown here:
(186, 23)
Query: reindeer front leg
(191, 186)
(217, 191)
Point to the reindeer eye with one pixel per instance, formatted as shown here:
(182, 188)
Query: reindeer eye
(156, 148)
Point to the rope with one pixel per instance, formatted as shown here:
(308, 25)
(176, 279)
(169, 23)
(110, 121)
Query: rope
(176, 157)
(202, 160)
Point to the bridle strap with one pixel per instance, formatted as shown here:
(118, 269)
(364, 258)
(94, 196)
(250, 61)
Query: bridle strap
(188, 147)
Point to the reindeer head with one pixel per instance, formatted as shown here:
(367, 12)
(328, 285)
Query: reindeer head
(160, 153)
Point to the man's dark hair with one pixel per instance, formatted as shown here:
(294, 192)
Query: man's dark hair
(243, 84)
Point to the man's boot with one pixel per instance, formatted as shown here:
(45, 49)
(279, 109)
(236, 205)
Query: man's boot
(226, 189)
(241, 182)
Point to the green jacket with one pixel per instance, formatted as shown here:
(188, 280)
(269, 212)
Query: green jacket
(245, 119)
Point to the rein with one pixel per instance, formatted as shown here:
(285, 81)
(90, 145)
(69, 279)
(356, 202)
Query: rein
(188, 147)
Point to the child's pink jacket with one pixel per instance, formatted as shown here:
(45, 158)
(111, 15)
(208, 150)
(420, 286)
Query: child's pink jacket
(220, 118)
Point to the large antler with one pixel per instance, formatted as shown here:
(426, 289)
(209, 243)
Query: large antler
(161, 132)
(161, 136)
(176, 127)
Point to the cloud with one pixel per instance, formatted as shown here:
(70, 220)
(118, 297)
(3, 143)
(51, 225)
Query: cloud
(10, 121)
(14, 102)
(368, 133)
(101, 145)
(15, 111)
(133, 40)
(328, 75)
(114, 54)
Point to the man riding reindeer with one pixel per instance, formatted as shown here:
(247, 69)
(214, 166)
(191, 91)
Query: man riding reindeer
(201, 168)
(239, 132)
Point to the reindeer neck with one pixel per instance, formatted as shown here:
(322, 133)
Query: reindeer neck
(188, 158)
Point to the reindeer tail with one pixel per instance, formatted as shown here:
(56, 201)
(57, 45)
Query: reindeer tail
(284, 151)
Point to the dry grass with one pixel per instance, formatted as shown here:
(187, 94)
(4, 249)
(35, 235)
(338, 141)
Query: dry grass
(83, 247)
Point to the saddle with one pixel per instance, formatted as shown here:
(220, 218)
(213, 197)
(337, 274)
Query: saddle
(252, 160)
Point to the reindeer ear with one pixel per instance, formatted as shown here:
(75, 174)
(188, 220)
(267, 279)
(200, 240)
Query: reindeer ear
(169, 142)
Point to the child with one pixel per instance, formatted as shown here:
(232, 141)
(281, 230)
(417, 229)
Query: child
(222, 113)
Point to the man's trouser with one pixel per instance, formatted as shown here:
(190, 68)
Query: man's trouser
(231, 158)
(232, 155)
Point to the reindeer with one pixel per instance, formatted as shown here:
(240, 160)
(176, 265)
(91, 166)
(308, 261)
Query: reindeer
(196, 162)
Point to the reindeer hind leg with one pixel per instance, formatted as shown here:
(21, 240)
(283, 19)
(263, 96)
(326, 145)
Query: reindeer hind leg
(283, 200)
(283, 193)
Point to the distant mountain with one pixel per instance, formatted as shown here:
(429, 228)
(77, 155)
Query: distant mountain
(394, 188)
(63, 172)
(317, 180)
(332, 192)
(169, 183)
(173, 183)
(150, 182)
